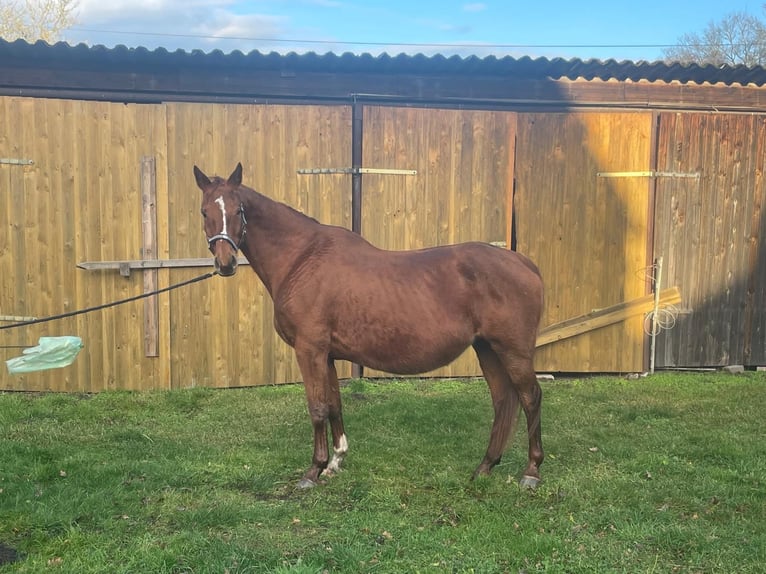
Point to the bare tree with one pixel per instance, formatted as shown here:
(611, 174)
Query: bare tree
(34, 20)
(739, 38)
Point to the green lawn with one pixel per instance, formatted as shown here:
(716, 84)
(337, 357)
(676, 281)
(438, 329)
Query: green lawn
(661, 474)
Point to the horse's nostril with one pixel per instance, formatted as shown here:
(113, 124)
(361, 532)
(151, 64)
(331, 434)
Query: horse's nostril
(226, 270)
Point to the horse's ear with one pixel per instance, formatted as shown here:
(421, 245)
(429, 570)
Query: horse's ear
(235, 179)
(203, 181)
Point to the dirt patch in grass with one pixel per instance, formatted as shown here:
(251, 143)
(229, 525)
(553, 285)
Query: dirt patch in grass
(8, 554)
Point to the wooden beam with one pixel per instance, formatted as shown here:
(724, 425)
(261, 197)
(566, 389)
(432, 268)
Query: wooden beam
(151, 263)
(16, 318)
(30, 77)
(149, 229)
(604, 317)
(649, 173)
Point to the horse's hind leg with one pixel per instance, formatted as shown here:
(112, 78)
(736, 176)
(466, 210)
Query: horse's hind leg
(504, 401)
(531, 396)
(522, 374)
(512, 382)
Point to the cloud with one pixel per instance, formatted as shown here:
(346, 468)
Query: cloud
(455, 28)
(325, 3)
(474, 7)
(178, 24)
(95, 12)
(225, 24)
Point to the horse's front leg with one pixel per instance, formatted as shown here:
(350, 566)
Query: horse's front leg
(315, 368)
(339, 441)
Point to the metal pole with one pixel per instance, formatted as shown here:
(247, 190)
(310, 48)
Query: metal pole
(657, 280)
(356, 164)
(357, 371)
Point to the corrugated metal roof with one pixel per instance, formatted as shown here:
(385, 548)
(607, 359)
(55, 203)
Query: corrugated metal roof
(97, 57)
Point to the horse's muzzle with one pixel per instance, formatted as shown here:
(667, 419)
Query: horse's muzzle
(228, 269)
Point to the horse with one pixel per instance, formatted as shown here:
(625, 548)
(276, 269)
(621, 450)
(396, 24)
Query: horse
(338, 297)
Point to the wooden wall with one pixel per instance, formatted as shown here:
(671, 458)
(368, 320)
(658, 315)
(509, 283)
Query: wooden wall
(218, 332)
(81, 201)
(588, 234)
(711, 234)
(222, 329)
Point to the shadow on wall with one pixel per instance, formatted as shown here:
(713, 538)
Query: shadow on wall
(590, 235)
(711, 233)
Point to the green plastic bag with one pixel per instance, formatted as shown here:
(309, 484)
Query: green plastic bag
(50, 353)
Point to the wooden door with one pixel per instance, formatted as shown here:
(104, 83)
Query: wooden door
(588, 234)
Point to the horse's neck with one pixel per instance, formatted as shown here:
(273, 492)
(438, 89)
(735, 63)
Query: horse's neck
(276, 236)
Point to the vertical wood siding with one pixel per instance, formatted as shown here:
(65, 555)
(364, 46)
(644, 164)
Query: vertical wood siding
(587, 234)
(710, 232)
(80, 200)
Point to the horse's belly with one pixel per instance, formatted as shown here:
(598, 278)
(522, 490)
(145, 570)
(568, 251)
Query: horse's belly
(403, 349)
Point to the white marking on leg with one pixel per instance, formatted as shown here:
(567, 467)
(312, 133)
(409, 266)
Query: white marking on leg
(220, 203)
(337, 455)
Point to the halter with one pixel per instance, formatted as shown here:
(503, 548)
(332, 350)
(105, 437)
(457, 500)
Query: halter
(226, 237)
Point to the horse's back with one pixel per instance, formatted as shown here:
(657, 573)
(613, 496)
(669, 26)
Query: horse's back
(460, 274)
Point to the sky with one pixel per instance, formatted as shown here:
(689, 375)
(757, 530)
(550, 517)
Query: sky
(551, 28)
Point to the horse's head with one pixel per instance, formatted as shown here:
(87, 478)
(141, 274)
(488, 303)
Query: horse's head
(224, 217)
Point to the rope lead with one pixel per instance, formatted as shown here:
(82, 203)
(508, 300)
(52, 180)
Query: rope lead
(107, 305)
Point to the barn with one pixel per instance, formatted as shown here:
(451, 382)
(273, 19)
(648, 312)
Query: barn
(632, 185)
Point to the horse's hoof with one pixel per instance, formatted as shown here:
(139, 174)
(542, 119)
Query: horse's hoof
(306, 483)
(479, 475)
(529, 482)
(481, 471)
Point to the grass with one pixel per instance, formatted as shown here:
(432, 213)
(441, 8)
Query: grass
(663, 474)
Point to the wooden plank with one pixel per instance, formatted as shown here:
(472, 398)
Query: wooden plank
(122, 177)
(155, 143)
(354, 171)
(149, 250)
(648, 173)
(510, 216)
(91, 228)
(152, 263)
(604, 317)
(16, 318)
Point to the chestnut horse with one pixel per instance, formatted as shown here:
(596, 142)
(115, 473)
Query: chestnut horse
(336, 296)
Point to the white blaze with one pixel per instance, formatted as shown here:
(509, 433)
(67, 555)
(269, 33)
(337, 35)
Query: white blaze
(220, 203)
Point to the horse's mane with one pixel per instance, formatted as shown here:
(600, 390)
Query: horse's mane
(278, 205)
